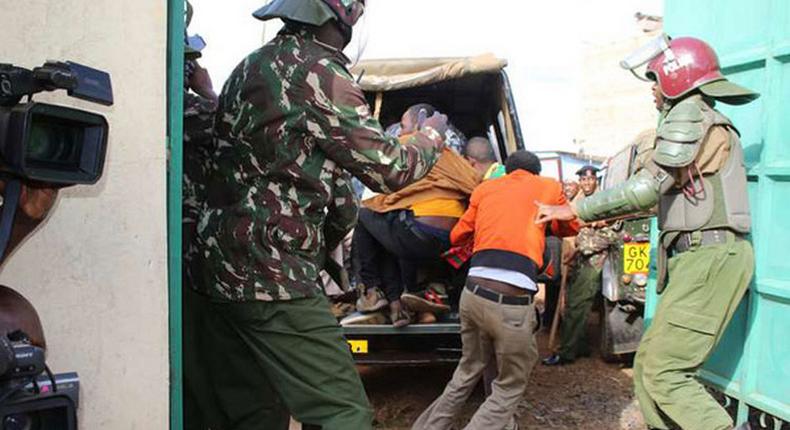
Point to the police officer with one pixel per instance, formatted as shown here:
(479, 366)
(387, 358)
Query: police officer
(587, 255)
(291, 128)
(698, 179)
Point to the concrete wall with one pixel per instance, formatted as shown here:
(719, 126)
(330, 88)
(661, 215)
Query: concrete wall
(615, 106)
(96, 270)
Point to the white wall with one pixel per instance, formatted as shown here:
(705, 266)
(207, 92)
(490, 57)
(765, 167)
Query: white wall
(96, 270)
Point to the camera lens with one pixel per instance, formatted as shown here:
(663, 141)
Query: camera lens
(54, 142)
(18, 422)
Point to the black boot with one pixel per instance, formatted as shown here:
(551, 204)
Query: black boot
(556, 360)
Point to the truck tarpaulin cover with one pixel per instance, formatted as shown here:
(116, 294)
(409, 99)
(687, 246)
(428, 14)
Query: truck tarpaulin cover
(390, 75)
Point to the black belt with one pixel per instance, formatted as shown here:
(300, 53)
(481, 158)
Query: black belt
(688, 240)
(497, 297)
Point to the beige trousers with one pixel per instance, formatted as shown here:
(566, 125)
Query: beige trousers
(487, 328)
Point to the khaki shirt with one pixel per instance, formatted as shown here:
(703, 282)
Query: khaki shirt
(713, 153)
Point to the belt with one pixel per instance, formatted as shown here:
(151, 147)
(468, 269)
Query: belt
(499, 298)
(407, 218)
(688, 240)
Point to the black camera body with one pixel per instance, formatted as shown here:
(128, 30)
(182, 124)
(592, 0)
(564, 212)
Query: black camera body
(50, 143)
(45, 404)
(19, 359)
(31, 398)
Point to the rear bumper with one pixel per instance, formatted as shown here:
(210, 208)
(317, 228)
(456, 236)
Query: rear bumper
(413, 345)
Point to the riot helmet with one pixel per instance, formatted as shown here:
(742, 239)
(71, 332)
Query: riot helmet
(313, 12)
(193, 45)
(683, 65)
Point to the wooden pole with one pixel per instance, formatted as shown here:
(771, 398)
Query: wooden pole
(560, 308)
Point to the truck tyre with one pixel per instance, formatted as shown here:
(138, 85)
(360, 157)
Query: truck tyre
(607, 337)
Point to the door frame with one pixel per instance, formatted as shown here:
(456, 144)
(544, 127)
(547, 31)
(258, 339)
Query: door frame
(175, 119)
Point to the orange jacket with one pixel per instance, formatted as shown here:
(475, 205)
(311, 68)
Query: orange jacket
(500, 220)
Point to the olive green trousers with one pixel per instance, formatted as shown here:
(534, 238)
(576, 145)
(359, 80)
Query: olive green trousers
(266, 361)
(579, 298)
(705, 286)
(200, 406)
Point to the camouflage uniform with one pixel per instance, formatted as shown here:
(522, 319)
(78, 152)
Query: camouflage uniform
(290, 127)
(199, 406)
(591, 250)
(198, 128)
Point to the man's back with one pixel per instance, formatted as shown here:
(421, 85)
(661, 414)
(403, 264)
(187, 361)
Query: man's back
(505, 211)
(290, 125)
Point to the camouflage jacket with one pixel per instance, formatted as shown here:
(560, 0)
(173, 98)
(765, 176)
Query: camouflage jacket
(290, 127)
(591, 243)
(198, 128)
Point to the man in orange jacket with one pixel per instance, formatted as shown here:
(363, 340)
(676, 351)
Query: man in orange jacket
(497, 308)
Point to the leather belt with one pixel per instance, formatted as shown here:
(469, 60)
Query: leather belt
(499, 298)
(688, 240)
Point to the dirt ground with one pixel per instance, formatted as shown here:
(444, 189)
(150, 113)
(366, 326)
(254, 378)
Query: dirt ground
(589, 394)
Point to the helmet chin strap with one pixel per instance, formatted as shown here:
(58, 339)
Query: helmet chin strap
(346, 31)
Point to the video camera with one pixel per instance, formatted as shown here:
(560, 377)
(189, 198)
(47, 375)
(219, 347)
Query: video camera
(31, 397)
(50, 143)
(56, 146)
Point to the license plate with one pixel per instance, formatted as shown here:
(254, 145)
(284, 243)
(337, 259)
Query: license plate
(636, 258)
(358, 346)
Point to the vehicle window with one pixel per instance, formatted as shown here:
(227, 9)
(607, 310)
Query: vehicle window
(618, 167)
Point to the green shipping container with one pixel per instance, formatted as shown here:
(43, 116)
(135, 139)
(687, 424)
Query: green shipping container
(750, 370)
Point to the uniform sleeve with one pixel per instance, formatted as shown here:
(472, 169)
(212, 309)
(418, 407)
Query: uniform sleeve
(340, 121)
(562, 228)
(464, 230)
(342, 212)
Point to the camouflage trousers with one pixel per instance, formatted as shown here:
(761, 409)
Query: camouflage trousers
(579, 298)
(268, 360)
(705, 286)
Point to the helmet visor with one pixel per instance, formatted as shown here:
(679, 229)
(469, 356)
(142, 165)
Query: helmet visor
(644, 54)
(361, 32)
(354, 10)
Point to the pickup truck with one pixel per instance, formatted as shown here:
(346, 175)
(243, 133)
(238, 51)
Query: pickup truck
(476, 95)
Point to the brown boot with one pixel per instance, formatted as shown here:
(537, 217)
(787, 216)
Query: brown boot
(372, 300)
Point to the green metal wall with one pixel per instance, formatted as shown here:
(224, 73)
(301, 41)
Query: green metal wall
(752, 38)
(175, 116)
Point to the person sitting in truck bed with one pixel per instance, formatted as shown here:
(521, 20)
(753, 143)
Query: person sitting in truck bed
(480, 154)
(397, 231)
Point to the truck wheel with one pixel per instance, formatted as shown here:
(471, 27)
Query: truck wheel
(607, 336)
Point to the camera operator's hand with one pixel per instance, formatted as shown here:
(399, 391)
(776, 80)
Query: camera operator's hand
(37, 200)
(200, 83)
